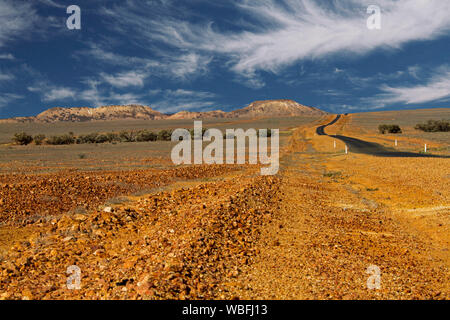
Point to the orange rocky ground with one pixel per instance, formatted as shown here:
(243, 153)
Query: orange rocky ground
(26, 198)
(309, 233)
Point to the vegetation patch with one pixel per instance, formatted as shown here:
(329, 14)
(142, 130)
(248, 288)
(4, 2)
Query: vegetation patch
(332, 174)
(434, 126)
(22, 138)
(108, 137)
(389, 128)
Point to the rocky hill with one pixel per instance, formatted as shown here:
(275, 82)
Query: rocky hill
(258, 109)
(198, 115)
(130, 112)
(274, 108)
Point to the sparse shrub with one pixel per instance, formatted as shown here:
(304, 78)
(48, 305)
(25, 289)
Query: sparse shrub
(191, 131)
(332, 174)
(434, 126)
(22, 138)
(145, 136)
(88, 138)
(101, 138)
(389, 128)
(82, 156)
(127, 136)
(112, 137)
(39, 139)
(395, 129)
(165, 135)
(61, 140)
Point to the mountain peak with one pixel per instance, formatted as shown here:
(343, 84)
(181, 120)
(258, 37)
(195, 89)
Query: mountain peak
(276, 108)
(257, 109)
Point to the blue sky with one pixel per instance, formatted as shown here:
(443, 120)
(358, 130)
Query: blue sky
(207, 55)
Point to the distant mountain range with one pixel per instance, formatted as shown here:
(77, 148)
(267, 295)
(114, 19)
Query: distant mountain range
(258, 109)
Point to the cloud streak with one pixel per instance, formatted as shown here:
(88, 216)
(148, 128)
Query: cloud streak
(284, 32)
(16, 18)
(7, 98)
(172, 101)
(125, 79)
(435, 90)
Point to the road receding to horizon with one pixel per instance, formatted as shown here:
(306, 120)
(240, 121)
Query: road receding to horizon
(371, 148)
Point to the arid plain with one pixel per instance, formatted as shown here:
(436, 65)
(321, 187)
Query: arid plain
(224, 231)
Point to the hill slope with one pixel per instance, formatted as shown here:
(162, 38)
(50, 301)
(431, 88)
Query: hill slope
(258, 109)
(274, 108)
(130, 112)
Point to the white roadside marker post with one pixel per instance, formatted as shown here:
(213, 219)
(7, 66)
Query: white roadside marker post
(425, 148)
(396, 142)
(346, 149)
(335, 144)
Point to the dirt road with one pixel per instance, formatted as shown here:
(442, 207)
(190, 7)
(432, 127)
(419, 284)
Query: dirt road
(371, 148)
(332, 231)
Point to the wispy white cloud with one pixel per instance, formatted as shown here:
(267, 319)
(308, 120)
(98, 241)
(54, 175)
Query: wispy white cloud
(52, 3)
(187, 65)
(287, 31)
(178, 67)
(331, 93)
(16, 19)
(7, 98)
(108, 56)
(172, 101)
(125, 79)
(96, 95)
(435, 90)
(6, 56)
(188, 93)
(6, 77)
(51, 93)
(415, 71)
(92, 94)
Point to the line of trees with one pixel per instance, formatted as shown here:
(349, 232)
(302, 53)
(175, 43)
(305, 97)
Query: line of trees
(23, 138)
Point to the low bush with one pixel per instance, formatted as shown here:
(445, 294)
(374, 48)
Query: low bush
(61, 140)
(22, 138)
(165, 135)
(39, 139)
(113, 137)
(126, 136)
(87, 138)
(191, 131)
(101, 138)
(145, 136)
(389, 128)
(434, 126)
